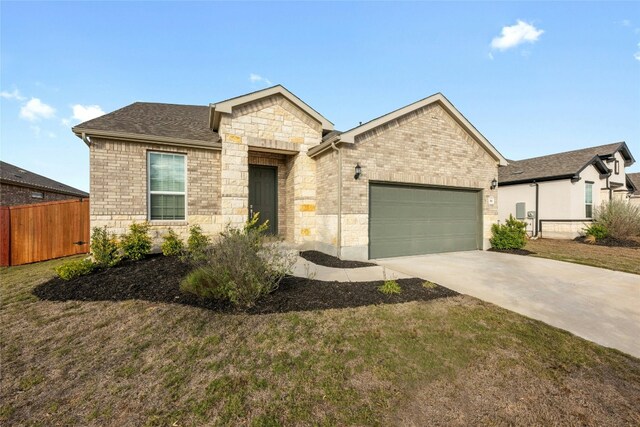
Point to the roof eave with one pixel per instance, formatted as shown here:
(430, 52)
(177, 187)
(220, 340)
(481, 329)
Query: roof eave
(153, 139)
(349, 136)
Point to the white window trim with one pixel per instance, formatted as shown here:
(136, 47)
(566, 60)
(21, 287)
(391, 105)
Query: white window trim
(586, 185)
(171, 193)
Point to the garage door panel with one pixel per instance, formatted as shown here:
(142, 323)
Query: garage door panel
(412, 220)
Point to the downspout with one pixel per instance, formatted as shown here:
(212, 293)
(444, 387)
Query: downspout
(86, 139)
(339, 231)
(535, 226)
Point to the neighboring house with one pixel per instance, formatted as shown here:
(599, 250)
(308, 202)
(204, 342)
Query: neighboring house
(557, 194)
(20, 187)
(417, 180)
(634, 183)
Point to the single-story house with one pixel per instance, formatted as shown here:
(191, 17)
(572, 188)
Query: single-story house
(21, 187)
(421, 179)
(634, 183)
(557, 194)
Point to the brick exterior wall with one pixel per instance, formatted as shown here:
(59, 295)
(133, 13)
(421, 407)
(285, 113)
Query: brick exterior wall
(119, 187)
(12, 195)
(423, 147)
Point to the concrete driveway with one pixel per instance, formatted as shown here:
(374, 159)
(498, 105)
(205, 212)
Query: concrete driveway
(597, 304)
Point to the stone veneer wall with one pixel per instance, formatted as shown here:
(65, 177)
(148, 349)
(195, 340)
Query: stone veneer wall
(423, 147)
(563, 229)
(119, 187)
(271, 119)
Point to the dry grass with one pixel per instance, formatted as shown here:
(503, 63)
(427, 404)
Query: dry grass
(455, 361)
(612, 258)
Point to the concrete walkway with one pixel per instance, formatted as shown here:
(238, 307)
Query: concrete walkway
(597, 304)
(307, 269)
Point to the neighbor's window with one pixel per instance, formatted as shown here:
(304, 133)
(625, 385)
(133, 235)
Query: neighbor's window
(167, 186)
(588, 199)
(37, 195)
(617, 167)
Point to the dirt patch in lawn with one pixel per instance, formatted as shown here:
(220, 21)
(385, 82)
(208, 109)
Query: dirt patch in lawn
(157, 279)
(323, 259)
(614, 258)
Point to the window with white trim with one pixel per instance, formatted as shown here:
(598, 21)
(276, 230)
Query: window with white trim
(616, 167)
(167, 186)
(588, 199)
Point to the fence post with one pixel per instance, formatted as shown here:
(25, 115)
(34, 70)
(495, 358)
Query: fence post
(5, 236)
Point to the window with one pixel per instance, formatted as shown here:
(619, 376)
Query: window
(588, 199)
(616, 167)
(37, 195)
(167, 186)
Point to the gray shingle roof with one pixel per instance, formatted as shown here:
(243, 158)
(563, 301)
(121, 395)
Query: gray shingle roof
(12, 174)
(555, 165)
(154, 119)
(635, 179)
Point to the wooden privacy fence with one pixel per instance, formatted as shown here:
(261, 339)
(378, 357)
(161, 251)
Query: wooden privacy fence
(42, 231)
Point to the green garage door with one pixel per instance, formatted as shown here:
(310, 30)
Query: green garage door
(413, 220)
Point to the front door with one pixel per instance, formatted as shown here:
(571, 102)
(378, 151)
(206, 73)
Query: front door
(263, 195)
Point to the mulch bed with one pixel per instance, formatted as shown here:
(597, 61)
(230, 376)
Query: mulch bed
(323, 259)
(157, 279)
(612, 242)
(512, 251)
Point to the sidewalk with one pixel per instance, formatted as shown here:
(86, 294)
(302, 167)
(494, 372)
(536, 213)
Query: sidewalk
(307, 269)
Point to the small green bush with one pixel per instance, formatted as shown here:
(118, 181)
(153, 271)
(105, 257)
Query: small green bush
(619, 217)
(240, 268)
(171, 244)
(72, 269)
(197, 245)
(104, 247)
(136, 243)
(598, 231)
(510, 235)
(429, 285)
(390, 287)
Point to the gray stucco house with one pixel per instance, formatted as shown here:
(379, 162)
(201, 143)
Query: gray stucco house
(558, 193)
(420, 179)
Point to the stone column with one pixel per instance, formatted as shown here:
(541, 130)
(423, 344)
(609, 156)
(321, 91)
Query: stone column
(303, 172)
(235, 179)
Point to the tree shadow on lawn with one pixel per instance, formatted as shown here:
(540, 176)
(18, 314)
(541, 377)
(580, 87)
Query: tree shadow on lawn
(157, 279)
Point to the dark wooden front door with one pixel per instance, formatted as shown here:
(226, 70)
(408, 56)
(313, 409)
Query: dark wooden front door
(263, 195)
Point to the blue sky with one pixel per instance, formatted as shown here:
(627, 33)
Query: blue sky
(534, 78)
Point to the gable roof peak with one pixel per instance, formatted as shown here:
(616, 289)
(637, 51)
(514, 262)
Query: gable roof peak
(226, 106)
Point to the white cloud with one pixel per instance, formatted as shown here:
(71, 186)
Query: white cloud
(626, 23)
(82, 113)
(257, 78)
(515, 35)
(15, 94)
(637, 54)
(35, 110)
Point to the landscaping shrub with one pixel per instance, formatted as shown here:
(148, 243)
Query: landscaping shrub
(136, 243)
(598, 231)
(390, 287)
(171, 244)
(104, 247)
(72, 269)
(240, 268)
(197, 245)
(620, 218)
(510, 235)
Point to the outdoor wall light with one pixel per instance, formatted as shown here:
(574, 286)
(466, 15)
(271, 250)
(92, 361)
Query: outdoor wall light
(358, 171)
(494, 184)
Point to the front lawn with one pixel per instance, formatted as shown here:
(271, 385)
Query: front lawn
(449, 361)
(614, 258)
